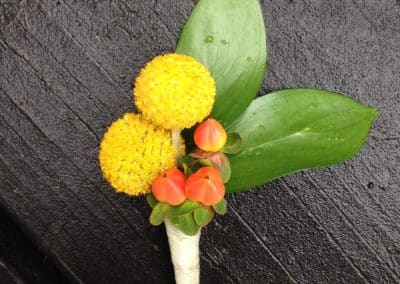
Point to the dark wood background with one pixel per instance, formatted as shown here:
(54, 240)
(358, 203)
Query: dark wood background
(66, 72)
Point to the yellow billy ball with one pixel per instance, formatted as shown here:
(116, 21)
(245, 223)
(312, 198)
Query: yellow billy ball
(174, 91)
(133, 152)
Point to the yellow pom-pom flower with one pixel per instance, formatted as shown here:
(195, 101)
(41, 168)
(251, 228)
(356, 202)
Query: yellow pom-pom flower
(174, 91)
(134, 152)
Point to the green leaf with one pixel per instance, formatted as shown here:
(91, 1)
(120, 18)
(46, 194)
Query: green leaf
(221, 207)
(228, 36)
(205, 162)
(184, 163)
(158, 214)
(292, 130)
(185, 223)
(184, 208)
(151, 200)
(233, 143)
(203, 216)
(185, 160)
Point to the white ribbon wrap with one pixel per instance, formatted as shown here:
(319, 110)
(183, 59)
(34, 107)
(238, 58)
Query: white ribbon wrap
(185, 254)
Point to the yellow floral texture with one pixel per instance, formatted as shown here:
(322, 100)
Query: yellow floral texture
(174, 91)
(133, 152)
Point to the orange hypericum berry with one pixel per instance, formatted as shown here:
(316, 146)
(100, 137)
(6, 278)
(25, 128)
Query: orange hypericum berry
(210, 135)
(205, 186)
(170, 187)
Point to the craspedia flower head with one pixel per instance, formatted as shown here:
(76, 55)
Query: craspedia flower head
(174, 91)
(133, 152)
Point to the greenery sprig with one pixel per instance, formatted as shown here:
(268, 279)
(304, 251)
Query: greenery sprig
(233, 141)
(218, 68)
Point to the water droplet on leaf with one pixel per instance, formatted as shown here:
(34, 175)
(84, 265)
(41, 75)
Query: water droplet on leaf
(209, 39)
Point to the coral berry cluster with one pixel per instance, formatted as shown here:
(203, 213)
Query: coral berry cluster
(204, 186)
(195, 189)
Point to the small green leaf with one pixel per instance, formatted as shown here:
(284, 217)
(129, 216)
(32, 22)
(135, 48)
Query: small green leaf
(233, 143)
(205, 162)
(185, 160)
(151, 200)
(221, 207)
(158, 214)
(225, 170)
(201, 163)
(185, 223)
(185, 163)
(296, 129)
(203, 216)
(228, 37)
(184, 208)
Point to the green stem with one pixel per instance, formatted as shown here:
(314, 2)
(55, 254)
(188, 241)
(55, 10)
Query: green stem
(176, 141)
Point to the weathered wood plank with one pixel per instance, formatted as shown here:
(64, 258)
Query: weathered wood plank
(67, 69)
(355, 51)
(7, 276)
(20, 261)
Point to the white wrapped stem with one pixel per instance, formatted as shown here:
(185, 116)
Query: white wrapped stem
(185, 250)
(185, 254)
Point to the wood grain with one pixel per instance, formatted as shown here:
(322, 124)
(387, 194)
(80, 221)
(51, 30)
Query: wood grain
(66, 72)
(20, 260)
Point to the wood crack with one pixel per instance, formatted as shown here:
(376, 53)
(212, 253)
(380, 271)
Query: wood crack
(47, 170)
(75, 165)
(263, 245)
(347, 220)
(83, 49)
(329, 236)
(64, 68)
(48, 88)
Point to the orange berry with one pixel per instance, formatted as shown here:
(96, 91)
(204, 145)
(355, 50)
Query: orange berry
(210, 135)
(170, 187)
(205, 186)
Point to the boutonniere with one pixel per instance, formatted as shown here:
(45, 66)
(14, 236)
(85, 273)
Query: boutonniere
(199, 134)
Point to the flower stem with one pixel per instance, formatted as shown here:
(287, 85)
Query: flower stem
(185, 251)
(185, 254)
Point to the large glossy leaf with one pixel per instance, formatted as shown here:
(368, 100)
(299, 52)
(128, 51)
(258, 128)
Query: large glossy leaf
(292, 130)
(228, 36)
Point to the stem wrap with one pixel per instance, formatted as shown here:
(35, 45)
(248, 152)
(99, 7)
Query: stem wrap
(185, 254)
(184, 249)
